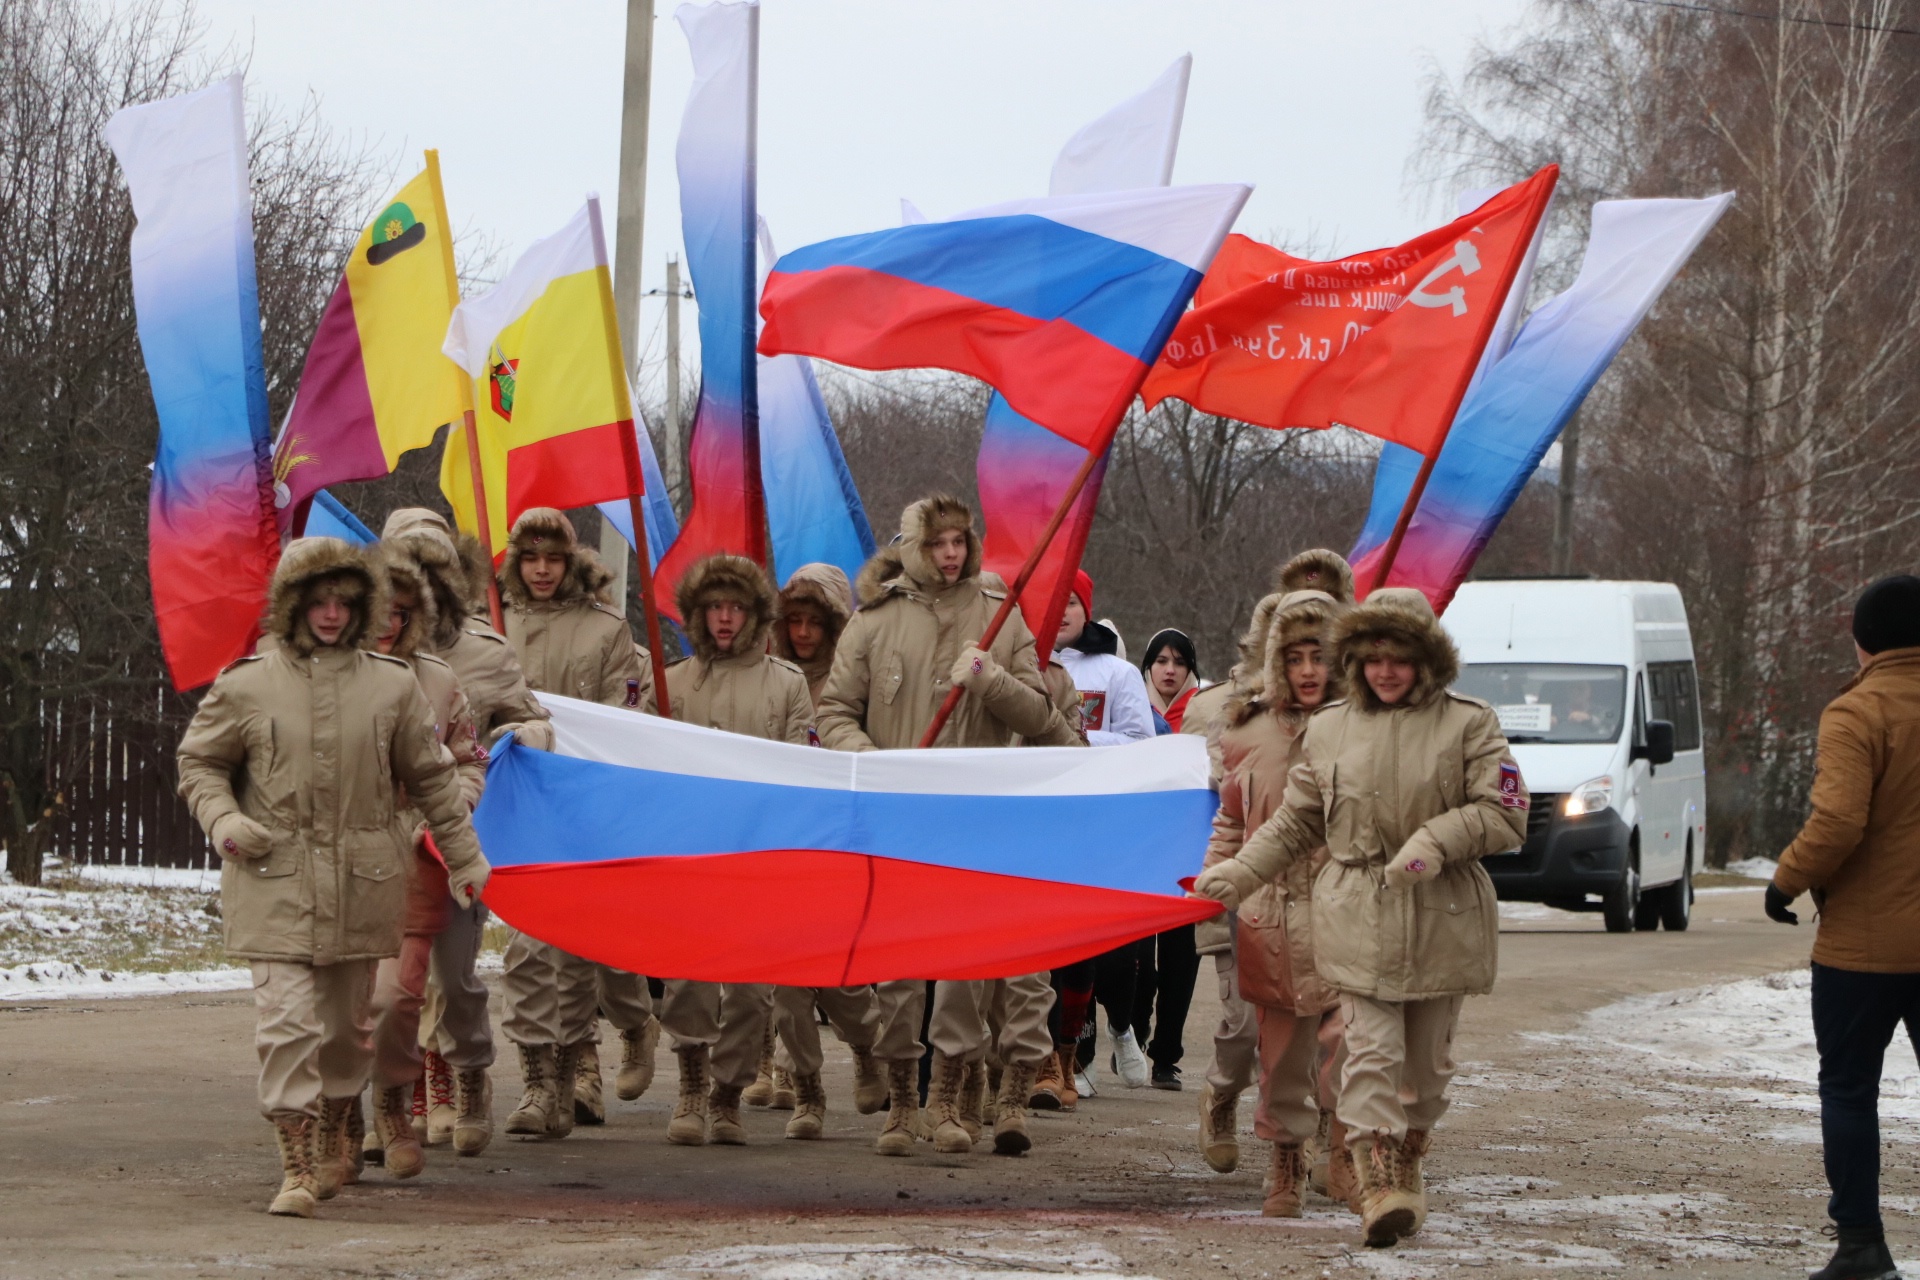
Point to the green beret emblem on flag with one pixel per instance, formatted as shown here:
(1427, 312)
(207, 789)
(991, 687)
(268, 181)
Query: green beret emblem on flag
(395, 231)
(502, 377)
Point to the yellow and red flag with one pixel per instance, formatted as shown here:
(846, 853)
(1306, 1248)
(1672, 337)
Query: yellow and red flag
(552, 416)
(375, 385)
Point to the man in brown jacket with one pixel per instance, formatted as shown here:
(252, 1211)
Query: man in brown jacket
(733, 684)
(570, 640)
(1859, 853)
(914, 637)
(294, 764)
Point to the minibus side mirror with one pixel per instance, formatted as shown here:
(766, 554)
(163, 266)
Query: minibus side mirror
(1658, 748)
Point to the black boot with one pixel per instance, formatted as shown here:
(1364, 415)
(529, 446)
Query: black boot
(1862, 1255)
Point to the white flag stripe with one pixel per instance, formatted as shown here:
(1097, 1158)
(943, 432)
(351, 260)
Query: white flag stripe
(1185, 224)
(478, 321)
(1132, 145)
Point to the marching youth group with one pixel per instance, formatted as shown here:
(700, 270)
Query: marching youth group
(335, 771)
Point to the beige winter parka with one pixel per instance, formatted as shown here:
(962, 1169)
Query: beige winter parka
(490, 675)
(1264, 739)
(321, 747)
(577, 643)
(746, 690)
(1429, 778)
(824, 589)
(891, 669)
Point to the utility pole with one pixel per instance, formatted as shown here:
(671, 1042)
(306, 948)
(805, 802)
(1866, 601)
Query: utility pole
(629, 227)
(1563, 501)
(676, 480)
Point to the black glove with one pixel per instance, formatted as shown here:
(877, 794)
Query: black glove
(1777, 906)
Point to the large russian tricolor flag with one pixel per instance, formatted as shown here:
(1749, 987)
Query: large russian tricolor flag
(1062, 303)
(684, 852)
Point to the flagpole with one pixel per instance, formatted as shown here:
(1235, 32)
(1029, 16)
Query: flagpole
(1459, 394)
(1007, 605)
(482, 518)
(630, 455)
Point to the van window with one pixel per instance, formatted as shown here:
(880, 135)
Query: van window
(1550, 703)
(1674, 697)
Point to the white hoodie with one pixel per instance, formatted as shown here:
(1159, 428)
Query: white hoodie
(1113, 697)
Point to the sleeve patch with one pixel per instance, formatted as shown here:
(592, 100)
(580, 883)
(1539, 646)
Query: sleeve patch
(1511, 796)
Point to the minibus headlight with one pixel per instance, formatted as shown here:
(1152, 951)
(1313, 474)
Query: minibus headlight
(1588, 797)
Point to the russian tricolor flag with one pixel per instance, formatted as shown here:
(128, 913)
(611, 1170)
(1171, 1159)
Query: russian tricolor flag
(682, 852)
(1061, 303)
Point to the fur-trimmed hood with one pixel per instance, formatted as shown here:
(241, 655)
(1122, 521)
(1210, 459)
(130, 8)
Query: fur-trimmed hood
(1297, 616)
(1396, 621)
(725, 577)
(404, 576)
(825, 588)
(310, 565)
(882, 567)
(424, 540)
(920, 524)
(1317, 570)
(547, 529)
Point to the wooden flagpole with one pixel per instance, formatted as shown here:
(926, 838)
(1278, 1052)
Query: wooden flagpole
(482, 518)
(630, 456)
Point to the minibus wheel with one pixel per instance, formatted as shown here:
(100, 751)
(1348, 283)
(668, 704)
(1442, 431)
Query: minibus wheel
(1676, 900)
(1620, 904)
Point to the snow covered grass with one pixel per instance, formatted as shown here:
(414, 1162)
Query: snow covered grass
(91, 931)
(1752, 868)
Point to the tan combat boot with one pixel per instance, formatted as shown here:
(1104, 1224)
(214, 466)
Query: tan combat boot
(589, 1106)
(1286, 1182)
(534, 1116)
(973, 1099)
(810, 1109)
(1322, 1165)
(1220, 1129)
(566, 1082)
(355, 1144)
(688, 1127)
(723, 1116)
(420, 1108)
(1412, 1180)
(1010, 1114)
(393, 1122)
(1342, 1183)
(330, 1159)
(1387, 1211)
(760, 1092)
(903, 1093)
(636, 1060)
(473, 1119)
(950, 1137)
(441, 1110)
(1048, 1086)
(869, 1082)
(297, 1193)
(783, 1091)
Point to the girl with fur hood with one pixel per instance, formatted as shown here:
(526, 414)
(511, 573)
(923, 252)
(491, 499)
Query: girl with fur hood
(1408, 786)
(298, 764)
(1259, 748)
(923, 610)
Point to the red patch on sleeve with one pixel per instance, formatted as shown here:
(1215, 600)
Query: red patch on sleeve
(1093, 708)
(1511, 796)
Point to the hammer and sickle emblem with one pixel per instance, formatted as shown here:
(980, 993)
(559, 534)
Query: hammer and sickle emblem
(1467, 260)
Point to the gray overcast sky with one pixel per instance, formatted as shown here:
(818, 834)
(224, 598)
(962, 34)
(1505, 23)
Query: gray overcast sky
(953, 103)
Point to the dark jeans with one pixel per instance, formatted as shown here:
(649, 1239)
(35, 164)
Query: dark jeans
(1854, 1018)
(1176, 967)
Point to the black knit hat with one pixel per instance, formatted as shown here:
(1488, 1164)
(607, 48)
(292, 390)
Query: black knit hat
(1179, 642)
(1887, 615)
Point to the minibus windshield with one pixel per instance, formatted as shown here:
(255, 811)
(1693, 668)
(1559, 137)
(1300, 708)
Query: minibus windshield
(1550, 703)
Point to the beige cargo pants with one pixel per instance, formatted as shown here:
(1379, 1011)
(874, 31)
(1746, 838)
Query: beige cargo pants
(731, 1021)
(854, 1013)
(454, 1021)
(1236, 1039)
(555, 998)
(1399, 1062)
(313, 1031)
(1301, 1057)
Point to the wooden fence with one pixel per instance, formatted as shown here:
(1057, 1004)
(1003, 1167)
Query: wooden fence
(115, 775)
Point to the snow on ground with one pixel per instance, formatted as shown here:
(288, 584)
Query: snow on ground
(1752, 868)
(104, 931)
(887, 1262)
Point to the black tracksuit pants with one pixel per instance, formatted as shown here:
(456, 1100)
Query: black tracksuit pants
(1854, 1017)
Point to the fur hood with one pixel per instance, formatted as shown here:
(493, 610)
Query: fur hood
(423, 540)
(405, 576)
(825, 587)
(546, 529)
(1397, 621)
(920, 524)
(1317, 570)
(725, 577)
(880, 569)
(303, 567)
(1300, 615)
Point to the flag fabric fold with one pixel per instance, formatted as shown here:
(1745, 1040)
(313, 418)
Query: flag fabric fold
(212, 536)
(1522, 401)
(549, 415)
(375, 384)
(1060, 303)
(836, 867)
(663, 526)
(1383, 342)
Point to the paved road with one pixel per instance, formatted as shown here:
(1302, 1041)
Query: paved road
(129, 1145)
